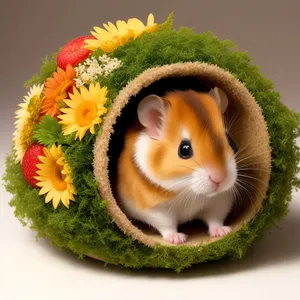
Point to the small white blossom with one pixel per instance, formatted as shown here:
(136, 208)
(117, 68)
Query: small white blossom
(86, 77)
(78, 82)
(89, 70)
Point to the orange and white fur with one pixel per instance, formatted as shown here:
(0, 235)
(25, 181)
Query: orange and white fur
(177, 164)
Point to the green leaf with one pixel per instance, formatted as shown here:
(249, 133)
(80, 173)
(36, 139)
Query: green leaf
(168, 24)
(47, 132)
(47, 69)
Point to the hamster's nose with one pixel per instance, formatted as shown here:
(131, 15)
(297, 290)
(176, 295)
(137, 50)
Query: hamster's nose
(217, 177)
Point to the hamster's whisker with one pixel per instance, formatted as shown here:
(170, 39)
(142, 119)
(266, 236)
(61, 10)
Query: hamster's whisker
(245, 193)
(235, 132)
(252, 169)
(252, 178)
(235, 198)
(227, 121)
(232, 120)
(185, 167)
(250, 144)
(246, 190)
(158, 195)
(250, 184)
(187, 197)
(178, 199)
(246, 148)
(254, 163)
(190, 200)
(253, 152)
(185, 191)
(186, 201)
(237, 192)
(199, 165)
(186, 178)
(250, 156)
(251, 190)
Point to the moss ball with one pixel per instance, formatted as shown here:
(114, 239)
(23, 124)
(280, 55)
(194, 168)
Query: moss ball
(86, 227)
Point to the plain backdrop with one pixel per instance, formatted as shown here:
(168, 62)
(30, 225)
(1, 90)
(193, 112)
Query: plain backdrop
(29, 30)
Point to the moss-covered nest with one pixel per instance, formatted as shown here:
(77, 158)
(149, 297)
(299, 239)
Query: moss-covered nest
(91, 225)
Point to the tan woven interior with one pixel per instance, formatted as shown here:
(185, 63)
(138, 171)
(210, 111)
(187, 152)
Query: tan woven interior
(250, 134)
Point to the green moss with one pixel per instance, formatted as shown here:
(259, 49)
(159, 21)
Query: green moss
(87, 228)
(48, 67)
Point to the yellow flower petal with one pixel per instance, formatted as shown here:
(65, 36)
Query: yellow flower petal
(56, 199)
(49, 197)
(92, 130)
(111, 28)
(70, 103)
(122, 27)
(65, 198)
(85, 94)
(45, 189)
(70, 129)
(67, 117)
(81, 133)
(102, 33)
(26, 119)
(43, 159)
(150, 20)
(113, 36)
(87, 107)
(55, 177)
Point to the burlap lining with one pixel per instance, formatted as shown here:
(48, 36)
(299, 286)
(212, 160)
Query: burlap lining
(254, 138)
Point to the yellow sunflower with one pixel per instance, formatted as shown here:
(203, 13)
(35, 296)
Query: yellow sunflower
(26, 118)
(114, 36)
(84, 110)
(55, 177)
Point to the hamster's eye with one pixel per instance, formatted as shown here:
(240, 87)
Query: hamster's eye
(185, 150)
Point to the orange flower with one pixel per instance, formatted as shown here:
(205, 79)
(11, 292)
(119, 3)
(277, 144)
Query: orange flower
(57, 89)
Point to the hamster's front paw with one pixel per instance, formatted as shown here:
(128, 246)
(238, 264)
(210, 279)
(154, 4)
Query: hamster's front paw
(219, 231)
(175, 237)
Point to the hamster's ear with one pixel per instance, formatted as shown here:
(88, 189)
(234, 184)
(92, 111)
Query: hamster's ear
(151, 113)
(220, 97)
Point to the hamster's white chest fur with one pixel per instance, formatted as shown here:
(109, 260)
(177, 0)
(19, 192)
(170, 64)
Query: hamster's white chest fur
(181, 210)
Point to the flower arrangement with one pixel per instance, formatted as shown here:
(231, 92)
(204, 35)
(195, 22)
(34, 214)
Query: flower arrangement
(74, 102)
(73, 105)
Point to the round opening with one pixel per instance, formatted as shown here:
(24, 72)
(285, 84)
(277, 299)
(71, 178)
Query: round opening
(247, 128)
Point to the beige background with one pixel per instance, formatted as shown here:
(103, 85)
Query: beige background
(267, 29)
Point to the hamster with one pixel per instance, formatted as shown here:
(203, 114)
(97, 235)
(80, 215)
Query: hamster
(177, 164)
